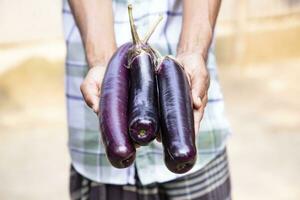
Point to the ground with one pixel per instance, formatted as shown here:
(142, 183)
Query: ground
(262, 103)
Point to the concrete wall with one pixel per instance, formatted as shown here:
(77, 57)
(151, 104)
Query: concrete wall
(258, 8)
(27, 20)
(248, 30)
(258, 31)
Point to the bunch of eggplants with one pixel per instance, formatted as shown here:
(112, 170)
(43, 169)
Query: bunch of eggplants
(143, 95)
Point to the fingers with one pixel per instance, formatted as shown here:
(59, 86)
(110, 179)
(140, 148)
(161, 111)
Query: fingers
(195, 85)
(90, 87)
(204, 103)
(198, 113)
(198, 78)
(90, 94)
(197, 90)
(197, 117)
(189, 78)
(200, 85)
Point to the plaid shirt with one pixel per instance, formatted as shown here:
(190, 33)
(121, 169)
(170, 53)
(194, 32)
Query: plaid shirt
(87, 153)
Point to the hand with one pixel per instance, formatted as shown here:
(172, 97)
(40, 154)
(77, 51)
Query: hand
(91, 85)
(198, 76)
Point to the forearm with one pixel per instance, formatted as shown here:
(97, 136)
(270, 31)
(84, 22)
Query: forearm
(94, 19)
(199, 18)
(214, 8)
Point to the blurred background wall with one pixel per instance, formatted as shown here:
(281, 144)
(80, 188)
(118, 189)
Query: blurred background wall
(31, 20)
(258, 49)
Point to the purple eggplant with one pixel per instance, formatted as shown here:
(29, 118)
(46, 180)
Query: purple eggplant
(143, 113)
(114, 109)
(177, 119)
(143, 105)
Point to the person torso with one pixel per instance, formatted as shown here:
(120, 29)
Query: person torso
(86, 150)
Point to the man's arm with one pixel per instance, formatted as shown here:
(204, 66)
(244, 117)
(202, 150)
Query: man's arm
(199, 18)
(94, 19)
(214, 8)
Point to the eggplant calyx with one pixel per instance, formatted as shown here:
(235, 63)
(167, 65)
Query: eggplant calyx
(167, 57)
(132, 53)
(135, 52)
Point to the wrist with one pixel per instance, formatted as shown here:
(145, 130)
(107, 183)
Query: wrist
(195, 41)
(99, 57)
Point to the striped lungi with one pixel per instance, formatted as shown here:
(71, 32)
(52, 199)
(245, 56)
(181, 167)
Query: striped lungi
(210, 183)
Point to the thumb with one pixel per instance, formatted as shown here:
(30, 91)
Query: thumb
(196, 93)
(196, 101)
(197, 117)
(90, 88)
(90, 94)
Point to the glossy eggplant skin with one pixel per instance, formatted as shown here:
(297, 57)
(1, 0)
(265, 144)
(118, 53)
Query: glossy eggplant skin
(177, 119)
(114, 109)
(143, 111)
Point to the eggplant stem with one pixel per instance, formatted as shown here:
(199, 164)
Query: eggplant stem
(135, 37)
(152, 29)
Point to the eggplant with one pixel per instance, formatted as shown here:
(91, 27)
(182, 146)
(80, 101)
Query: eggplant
(143, 113)
(113, 105)
(143, 105)
(177, 119)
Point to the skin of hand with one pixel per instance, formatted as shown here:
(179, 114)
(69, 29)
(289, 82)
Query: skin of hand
(199, 18)
(91, 87)
(198, 76)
